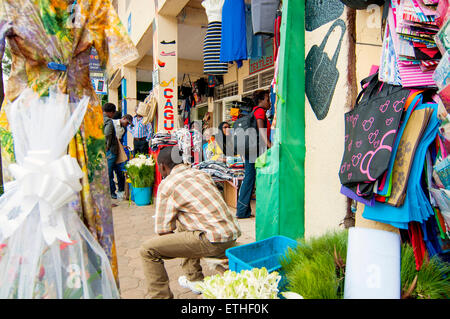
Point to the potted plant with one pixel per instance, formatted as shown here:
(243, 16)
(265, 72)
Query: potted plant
(141, 172)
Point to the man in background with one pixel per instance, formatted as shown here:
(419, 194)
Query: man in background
(112, 143)
(142, 133)
(120, 126)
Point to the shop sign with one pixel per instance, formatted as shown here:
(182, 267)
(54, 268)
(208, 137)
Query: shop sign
(265, 62)
(169, 118)
(97, 74)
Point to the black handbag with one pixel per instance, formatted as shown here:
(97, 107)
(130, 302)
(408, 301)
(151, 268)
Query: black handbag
(370, 131)
(185, 90)
(320, 12)
(321, 74)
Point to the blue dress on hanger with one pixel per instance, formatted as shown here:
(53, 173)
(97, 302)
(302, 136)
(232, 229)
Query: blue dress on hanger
(234, 32)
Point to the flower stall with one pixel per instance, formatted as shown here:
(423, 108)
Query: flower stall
(141, 175)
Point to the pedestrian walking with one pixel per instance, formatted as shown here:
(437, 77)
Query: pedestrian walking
(120, 126)
(112, 144)
(262, 102)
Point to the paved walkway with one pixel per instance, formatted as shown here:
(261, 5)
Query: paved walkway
(135, 224)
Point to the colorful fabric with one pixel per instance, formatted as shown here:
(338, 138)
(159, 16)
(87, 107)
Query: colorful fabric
(211, 50)
(213, 150)
(234, 32)
(44, 31)
(140, 129)
(191, 197)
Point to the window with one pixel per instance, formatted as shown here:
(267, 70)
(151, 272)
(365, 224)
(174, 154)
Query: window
(227, 90)
(261, 80)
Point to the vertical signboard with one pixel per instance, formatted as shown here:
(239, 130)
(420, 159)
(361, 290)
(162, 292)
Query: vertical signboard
(165, 76)
(97, 74)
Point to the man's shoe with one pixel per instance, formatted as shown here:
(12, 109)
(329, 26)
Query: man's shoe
(185, 283)
(120, 195)
(114, 196)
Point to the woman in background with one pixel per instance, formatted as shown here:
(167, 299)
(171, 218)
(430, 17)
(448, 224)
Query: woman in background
(218, 146)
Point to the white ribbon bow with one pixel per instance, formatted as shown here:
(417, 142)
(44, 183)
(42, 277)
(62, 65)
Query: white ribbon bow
(51, 184)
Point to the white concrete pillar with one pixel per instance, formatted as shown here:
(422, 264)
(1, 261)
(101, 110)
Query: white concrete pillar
(165, 62)
(113, 96)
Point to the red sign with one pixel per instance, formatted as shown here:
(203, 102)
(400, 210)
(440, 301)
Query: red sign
(264, 62)
(261, 64)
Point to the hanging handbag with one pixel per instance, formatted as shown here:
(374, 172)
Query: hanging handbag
(321, 73)
(319, 12)
(370, 131)
(185, 89)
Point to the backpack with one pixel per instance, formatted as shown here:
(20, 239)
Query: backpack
(245, 137)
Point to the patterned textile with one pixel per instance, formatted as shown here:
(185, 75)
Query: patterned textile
(211, 50)
(192, 198)
(43, 31)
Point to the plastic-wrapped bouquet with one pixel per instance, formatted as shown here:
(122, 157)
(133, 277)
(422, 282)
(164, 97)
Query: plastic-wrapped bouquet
(141, 171)
(257, 283)
(45, 249)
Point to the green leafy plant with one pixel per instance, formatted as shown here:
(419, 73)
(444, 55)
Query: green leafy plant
(316, 270)
(432, 281)
(141, 171)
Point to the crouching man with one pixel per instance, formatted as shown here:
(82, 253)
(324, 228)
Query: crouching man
(188, 201)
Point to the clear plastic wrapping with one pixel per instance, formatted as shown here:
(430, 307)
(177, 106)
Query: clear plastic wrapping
(45, 249)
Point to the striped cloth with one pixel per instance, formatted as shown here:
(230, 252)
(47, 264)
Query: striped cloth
(141, 130)
(191, 197)
(413, 76)
(211, 50)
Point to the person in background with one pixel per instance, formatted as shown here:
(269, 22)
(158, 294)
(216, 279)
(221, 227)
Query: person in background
(262, 102)
(188, 201)
(120, 126)
(112, 144)
(142, 133)
(218, 148)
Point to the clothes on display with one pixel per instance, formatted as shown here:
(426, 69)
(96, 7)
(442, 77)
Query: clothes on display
(221, 171)
(234, 35)
(213, 38)
(189, 142)
(407, 173)
(255, 43)
(51, 47)
(409, 45)
(263, 16)
(162, 139)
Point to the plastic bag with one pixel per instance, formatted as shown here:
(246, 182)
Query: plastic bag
(45, 249)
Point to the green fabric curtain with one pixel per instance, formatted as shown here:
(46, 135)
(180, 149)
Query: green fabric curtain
(280, 178)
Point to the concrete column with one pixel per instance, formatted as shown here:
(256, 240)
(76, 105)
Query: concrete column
(166, 31)
(113, 96)
(129, 73)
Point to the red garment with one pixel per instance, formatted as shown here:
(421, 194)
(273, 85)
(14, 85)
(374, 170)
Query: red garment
(260, 114)
(276, 38)
(415, 235)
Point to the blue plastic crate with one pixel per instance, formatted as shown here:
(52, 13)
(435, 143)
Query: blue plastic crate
(263, 253)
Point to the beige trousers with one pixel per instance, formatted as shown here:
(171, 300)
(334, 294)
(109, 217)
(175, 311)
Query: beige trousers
(189, 245)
